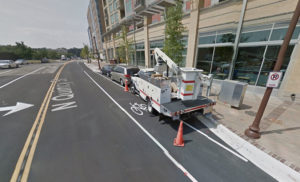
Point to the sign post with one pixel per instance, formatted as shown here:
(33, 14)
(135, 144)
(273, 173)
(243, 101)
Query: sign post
(253, 130)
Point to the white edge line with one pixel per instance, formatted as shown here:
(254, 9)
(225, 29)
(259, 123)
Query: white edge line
(270, 165)
(20, 77)
(214, 141)
(177, 164)
(110, 80)
(5, 72)
(97, 72)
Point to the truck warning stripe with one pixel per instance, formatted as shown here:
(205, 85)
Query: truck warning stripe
(186, 94)
(188, 81)
(155, 102)
(149, 97)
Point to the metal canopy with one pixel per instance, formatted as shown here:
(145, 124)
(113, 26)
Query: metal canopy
(166, 3)
(152, 9)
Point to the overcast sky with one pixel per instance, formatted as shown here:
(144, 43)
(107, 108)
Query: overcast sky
(44, 23)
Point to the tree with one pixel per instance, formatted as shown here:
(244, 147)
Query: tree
(22, 51)
(85, 53)
(74, 51)
(125, 48)
(173, 46)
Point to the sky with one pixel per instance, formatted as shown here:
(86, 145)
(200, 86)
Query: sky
(44, 23)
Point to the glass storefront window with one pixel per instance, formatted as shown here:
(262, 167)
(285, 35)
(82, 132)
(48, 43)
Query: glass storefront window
(116, 17)
(270, 60)
(132, 59)
(279, 34)
(156, 44)
(223, 38)
(183, 62)
(184, 41)
(115, 5)
(221, 62)
(112, 19)
(110, 8)
(204, 59)
(207, 40)
(257, 36)
(248, 63)
(140, 46)
(140, 58)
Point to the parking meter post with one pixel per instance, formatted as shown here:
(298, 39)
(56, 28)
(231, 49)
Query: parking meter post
(253, 130)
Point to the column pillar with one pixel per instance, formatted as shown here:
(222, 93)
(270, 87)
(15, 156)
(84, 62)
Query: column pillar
(114, 46)
(147, 21)
(193, 32)
(106, 52)
(291, 82)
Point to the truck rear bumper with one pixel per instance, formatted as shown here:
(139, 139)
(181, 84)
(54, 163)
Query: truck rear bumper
(179, 107)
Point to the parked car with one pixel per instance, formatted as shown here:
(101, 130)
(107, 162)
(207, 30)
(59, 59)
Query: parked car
(106, 69)
(121, 73)
(8, 64)
(44, 60)
(21, 61)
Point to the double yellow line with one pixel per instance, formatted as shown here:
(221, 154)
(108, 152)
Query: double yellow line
(23, 165)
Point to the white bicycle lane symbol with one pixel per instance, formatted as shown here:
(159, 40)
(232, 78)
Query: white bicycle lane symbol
(138, 108)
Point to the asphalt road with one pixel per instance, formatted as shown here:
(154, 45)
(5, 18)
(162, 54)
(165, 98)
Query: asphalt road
(90, 133)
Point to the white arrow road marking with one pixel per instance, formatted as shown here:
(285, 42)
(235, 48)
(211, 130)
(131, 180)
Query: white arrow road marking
(12, 109)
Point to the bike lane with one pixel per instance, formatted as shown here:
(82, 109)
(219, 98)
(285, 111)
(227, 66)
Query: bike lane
(204, 159)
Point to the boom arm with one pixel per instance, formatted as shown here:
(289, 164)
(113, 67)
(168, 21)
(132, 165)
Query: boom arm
(161, 57)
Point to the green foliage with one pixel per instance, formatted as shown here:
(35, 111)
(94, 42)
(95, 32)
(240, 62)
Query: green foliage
(125, 48)
(173, 46)
(85, 52)
(73, 52)
(22, 51)
(121, 54)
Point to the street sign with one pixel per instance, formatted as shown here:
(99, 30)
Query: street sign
(274, 79)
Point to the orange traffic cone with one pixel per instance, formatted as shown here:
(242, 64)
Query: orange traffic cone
(126, 86)
(178, 141)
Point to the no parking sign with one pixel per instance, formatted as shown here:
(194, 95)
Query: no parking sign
(274, 79)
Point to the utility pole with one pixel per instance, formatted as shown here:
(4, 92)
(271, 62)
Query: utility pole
(237, 39)
(98, 55)
(253, 130)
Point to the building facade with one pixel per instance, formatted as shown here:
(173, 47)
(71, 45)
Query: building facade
(226, 38)
(96, 27)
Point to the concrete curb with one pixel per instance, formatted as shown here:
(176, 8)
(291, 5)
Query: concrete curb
(267, 163)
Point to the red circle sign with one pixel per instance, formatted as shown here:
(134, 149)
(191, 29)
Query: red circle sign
(274, 76)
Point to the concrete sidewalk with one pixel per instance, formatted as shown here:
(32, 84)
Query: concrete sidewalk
(280, 125)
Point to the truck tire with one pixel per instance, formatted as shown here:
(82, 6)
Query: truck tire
(132, 89)
(149, 106)
(122, 82)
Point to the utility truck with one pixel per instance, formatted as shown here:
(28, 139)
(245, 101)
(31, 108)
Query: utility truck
(170, 90)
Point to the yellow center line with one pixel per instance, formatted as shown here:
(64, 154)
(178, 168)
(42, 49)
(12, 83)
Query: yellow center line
(32, 139)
